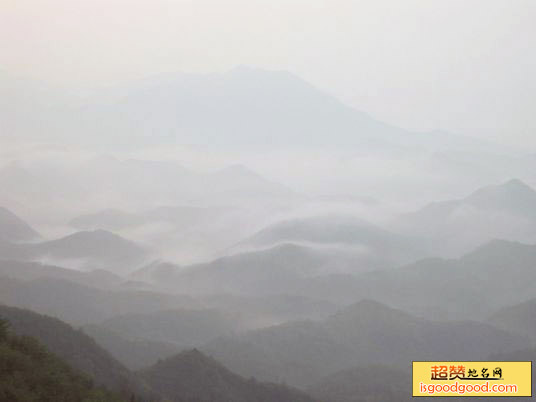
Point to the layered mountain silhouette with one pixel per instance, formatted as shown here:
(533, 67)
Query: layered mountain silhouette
(88, 249)
(498, 211)
(492, 276)
(161, 195)
(479, 283)
(275, 270)
(79, 304)
(519, 319)
(26, 271)
(267, 282)
(378, 247)
(368, 332)
(184, 377)
(243, 108)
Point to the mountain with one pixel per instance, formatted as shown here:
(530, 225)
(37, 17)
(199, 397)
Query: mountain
(519, 319)
(79, 304)
(378, 247)
(26, 271)
(513, 196)
(302, 352)
(165, 197)
(244, 108)
(276, 270)
(170, 183)
(75, 348)
(184, 377)
(134, 354)
(182, 327)
(192, 376)
(99, 247)
(364, 384)
(321, 229)
(31, 373)
(496, 274)
(505, 211)
(13, 229)
(93, 249)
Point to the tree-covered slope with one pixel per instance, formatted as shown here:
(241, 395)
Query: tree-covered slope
(75, 348)
(29, 372)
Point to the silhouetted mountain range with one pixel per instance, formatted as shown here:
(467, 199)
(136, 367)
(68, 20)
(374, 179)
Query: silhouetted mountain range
(300, 353)
(26, 271)
(519, 319)
(78, 304)
(274, 270)
(493, 276)
(243, 108)
(95, 249)
(505, 211)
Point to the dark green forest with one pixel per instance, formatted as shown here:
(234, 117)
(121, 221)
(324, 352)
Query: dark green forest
(29, 372)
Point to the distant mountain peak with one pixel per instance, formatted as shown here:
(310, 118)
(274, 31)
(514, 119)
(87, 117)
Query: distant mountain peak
(516, 183)
(192, 375)
(513, 186)
(513, 195)
(97, 233)
(498, 247)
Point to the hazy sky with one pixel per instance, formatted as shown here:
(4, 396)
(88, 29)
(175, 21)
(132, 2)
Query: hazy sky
(460, 65)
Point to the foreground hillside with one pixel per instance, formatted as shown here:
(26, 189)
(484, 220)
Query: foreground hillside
(75, 348)
(184, 377)
(31, 373)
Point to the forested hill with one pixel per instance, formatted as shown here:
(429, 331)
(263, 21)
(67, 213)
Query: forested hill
(76, 349)
(29, 372)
